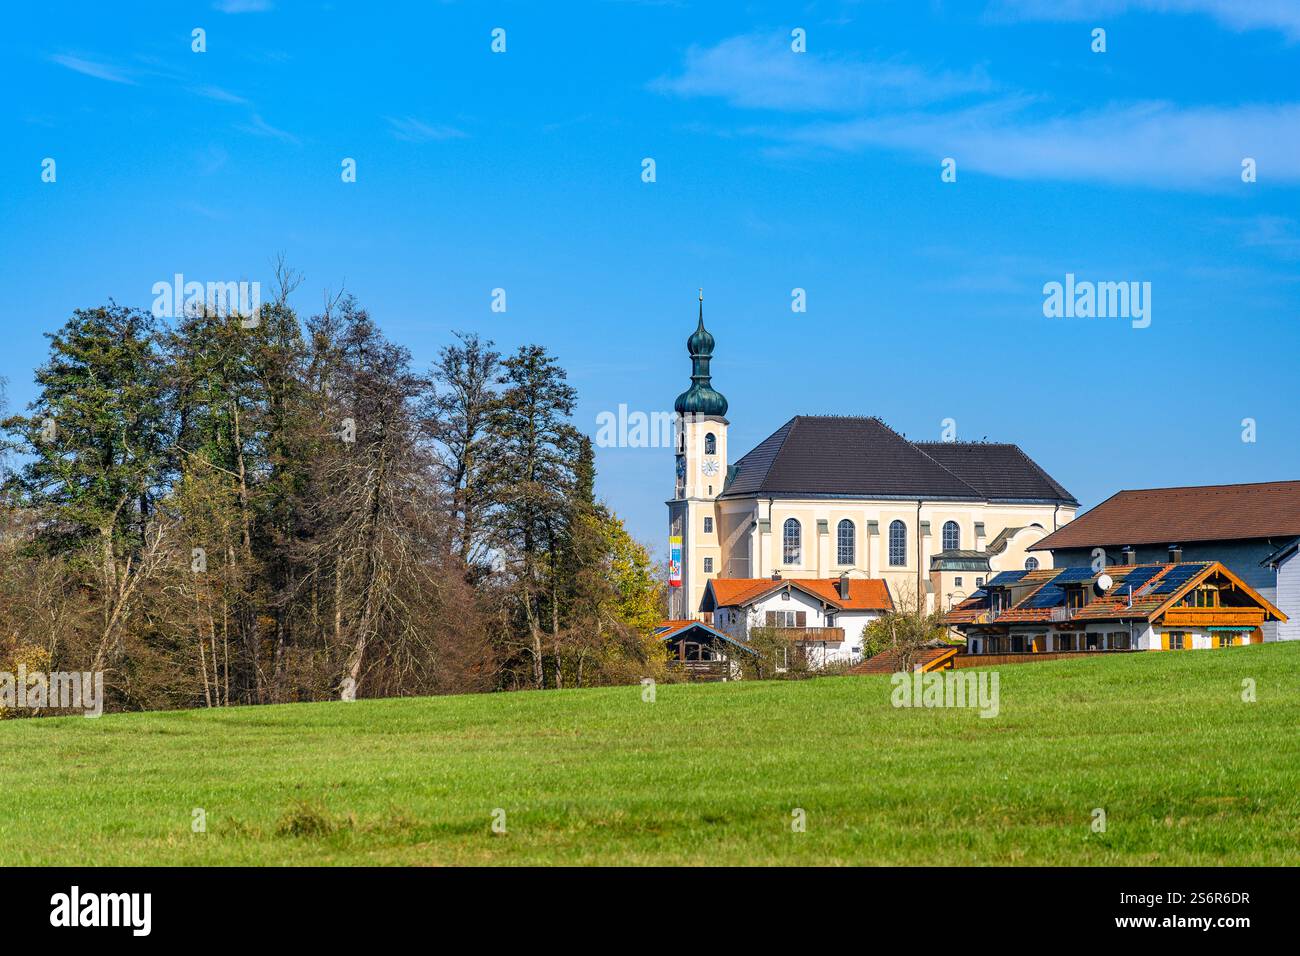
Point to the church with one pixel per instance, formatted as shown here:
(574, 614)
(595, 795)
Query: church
(828, 499)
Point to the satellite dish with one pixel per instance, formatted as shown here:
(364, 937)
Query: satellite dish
(1104, 583)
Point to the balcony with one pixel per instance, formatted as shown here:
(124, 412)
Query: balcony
(1213, 617)
(806, 635)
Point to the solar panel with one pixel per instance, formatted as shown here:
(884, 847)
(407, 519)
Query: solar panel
(1074, 576)
(1049, 595)
(1005, 577)
(1135, 578)
(1176, 578)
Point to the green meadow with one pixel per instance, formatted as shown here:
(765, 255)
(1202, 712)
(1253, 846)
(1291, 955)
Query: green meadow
(1185, 771)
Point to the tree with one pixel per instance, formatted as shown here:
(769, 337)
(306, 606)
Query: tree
(530, 481)
(907, 629)
(459, 415)
(95, 444)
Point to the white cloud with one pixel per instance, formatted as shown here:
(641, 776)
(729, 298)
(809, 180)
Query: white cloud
(1154, 144)
(411, 130)
(1282, 15)
(756, 72)
(99, 71)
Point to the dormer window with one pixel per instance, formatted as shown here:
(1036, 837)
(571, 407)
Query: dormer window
(1075, 598)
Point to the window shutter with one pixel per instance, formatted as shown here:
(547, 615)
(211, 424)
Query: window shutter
(801, 619)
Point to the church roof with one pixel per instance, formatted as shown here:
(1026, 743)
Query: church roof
(701, 398)
(861, 457)
(996, 470)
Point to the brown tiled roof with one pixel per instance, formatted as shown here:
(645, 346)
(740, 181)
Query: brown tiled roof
(1269, 509)
(887, 662)
(865, 594)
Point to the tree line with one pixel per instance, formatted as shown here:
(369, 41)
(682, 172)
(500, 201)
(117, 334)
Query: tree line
(229, 510)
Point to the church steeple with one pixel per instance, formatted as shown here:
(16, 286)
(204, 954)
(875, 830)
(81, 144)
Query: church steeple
(701, 398)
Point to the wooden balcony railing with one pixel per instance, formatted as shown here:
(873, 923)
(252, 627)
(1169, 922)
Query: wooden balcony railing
(832, 635)
(1213, 617)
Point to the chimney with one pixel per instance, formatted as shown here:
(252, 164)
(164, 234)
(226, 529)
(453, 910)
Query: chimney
(1175, 553)
(1130, 555)
(844, 586)
(776, 575)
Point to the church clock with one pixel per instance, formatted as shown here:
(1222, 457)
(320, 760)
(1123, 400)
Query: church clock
(709, 467)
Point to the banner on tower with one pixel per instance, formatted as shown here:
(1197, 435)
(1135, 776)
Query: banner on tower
(674, 562)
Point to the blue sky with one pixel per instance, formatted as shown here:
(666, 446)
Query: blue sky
(775, 170)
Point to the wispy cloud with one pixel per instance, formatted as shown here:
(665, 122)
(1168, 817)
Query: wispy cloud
(408, 129)
(218, 94)
(902, 108)
(1282, 15)
(100, 71)
(211, 159)
(1154, 144)
(242, 6)
(260, 127)
(761, 72)
(1277, 234)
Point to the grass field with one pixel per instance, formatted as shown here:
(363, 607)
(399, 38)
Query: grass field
(1186, 771)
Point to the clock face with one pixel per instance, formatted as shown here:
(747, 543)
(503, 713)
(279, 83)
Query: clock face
(709, 467)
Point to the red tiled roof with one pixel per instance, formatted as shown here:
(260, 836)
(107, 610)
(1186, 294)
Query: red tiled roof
(1182, 515)
(865, 594)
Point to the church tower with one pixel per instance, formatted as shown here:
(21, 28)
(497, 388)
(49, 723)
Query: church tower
(701, 463)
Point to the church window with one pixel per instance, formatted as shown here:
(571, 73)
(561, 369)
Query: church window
(710, 444)
(1031, 564)
(790, 540)
(951, 536)
(897, 544)
(708, 525)
(845, 543)
(708, 565)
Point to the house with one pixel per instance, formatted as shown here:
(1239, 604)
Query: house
(1169, 606)
(826, 495)
(934, 656)
(703, 652)
(1250, 528)
(822, 618)
(1286, 567)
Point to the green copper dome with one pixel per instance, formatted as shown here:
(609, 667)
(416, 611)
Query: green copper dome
(701, 398)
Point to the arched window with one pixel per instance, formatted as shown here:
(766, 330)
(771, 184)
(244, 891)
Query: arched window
(845, 543)
(897, 544)
(790, 539)
(710, 444)
(1031, 564)
(951, 536)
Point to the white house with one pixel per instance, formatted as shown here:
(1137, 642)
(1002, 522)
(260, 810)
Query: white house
(1286, 565)
(822, 618)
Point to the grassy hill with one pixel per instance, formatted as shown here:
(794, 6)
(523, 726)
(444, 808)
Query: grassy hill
(1186, 771)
